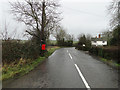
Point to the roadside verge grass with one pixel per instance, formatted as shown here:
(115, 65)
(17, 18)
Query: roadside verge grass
(111, 63)
(23, 66)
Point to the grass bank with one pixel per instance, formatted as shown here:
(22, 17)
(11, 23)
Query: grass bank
(111, 63)
(108, 54)
(23, 66)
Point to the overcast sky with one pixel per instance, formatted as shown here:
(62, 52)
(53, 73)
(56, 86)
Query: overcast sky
(79, 16)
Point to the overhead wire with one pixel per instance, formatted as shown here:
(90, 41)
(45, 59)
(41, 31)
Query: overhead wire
(80, 11)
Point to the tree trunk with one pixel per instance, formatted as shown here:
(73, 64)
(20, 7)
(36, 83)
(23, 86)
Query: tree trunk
(43, 39)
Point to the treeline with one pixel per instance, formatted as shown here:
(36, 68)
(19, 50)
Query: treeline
(110, 52)
(84, 42)
(63, 38)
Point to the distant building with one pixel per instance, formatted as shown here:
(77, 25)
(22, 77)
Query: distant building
(98, 41)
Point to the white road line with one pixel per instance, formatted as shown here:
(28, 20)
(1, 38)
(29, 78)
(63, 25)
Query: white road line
(70, 55)
(81, 75)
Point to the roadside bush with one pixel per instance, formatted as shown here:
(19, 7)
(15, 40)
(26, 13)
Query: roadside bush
(115, 40)
(94, 50)
(80, 47)
(13, 50)
(100, 52)
(30, 50)
(106, 53)
(67, 43)
(84, 40)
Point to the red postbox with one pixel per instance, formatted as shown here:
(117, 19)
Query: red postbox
(43, 46)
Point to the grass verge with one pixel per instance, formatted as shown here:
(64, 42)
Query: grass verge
(23, 66)
(111, 63)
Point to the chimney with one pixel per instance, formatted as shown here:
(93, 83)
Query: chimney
(99, 35)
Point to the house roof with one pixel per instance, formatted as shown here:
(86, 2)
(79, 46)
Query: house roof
(98, 39)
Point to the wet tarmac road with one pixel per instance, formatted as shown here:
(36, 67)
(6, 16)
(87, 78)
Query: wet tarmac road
(68, 68)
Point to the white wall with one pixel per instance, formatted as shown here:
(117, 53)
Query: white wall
(99, 43)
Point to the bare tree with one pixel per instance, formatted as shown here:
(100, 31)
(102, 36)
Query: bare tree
(88, 37)
(40, 17)
(5, 33)
(69, 37)
(60, 33)
(114, 9)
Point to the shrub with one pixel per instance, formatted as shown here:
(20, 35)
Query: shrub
(109, 53)
(13, 50)
(100, 52)
(30, 50)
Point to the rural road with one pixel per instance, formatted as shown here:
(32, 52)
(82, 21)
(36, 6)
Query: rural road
(68, 68)
(0, 63)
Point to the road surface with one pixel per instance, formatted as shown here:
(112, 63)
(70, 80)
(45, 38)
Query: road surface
(68, 68)
(0, 63)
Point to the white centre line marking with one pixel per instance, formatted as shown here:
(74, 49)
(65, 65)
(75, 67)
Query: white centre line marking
(81, 75)
(70, 55)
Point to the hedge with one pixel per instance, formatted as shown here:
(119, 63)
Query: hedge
(15, 50)
(106, 53)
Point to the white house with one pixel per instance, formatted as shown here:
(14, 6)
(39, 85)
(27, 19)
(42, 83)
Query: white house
(98, 42)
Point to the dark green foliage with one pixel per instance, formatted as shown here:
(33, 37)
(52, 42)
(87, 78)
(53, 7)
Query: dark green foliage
(30, 50)
(94, 50)
(106, 53)
(116, 36)
(60, 42)
(68, 43)
(83, 41)
(13, 50)
(100, 52)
